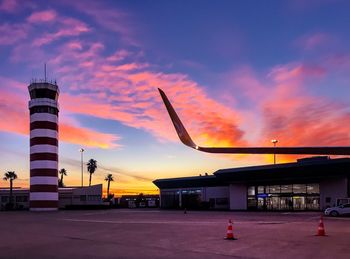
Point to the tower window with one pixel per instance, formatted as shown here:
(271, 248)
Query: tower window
(43, 109)
(43, 93)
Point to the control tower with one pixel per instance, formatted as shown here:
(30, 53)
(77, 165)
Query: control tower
(44, 109)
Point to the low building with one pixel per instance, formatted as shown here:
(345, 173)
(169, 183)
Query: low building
(308, 184)
(139, 201)
(68, 197)
(20, 198)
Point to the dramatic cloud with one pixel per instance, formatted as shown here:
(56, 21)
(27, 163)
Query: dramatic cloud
(116, 84)
(105, 72)
(127, 92)
(301, 119)
(281, 105)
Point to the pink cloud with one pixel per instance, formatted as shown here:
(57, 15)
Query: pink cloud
(119, 55)
(297, 118)
(296, 72)
(315, 41)
(68, 27)
(31, 50)
(14, 114)
(124, 67)
(85, 104)
(115, 20)
(243, 81)
(339, 63)
(306, 121)
(133, 98)
(282, 107)
(75, 45)
(120, 87)
(23, 52)
(12, 33)
(8, 5)
(42, 16)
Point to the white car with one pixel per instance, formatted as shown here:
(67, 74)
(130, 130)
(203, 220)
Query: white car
(339, 210)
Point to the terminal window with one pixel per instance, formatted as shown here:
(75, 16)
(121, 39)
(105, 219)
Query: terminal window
(284, 197)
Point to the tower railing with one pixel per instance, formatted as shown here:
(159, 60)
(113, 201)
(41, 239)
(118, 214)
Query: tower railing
(38, 80)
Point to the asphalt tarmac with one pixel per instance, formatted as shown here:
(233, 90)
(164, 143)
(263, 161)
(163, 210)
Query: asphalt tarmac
(146, 233)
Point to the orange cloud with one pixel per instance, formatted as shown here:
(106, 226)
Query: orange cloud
(127, 92)
(134, 101)
(121, 88)
(86, 137)
(297, 118)
(281, 106)
(14, 115)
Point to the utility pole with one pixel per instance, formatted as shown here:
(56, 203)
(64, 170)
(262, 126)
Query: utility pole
(82, 166)
(274, 141)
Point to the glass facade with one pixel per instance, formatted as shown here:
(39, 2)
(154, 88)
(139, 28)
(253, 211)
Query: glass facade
(289, 197)
(176, 199)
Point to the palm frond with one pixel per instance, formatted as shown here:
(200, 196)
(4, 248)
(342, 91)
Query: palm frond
(92, 166)
(10, 175)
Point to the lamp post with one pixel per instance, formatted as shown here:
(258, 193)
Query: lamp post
(82, 166)
(274, 141)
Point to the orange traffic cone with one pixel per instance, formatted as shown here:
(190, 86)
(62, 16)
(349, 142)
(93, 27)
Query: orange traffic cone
(320, 230)
(229, 233)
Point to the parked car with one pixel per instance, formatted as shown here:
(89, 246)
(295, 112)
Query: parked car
(339, 210)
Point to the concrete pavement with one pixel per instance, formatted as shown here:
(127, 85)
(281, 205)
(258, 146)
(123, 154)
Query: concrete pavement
(146, 233)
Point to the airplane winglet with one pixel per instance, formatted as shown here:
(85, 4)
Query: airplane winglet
(179, 127)
(186, 139)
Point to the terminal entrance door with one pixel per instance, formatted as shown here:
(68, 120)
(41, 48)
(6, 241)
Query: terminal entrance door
(273, 203)
(286, 203)
(299, 203)
(288, 197)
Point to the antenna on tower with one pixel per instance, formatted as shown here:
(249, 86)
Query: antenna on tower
(45, 71)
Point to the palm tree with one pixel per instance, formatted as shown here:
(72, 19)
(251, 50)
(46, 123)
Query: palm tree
(62, 172)
(109, 178)
(10, 175)
(91, 167)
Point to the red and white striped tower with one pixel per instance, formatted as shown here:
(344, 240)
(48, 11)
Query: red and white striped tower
(44, 109)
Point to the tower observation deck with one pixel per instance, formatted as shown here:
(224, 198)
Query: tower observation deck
(44, 109)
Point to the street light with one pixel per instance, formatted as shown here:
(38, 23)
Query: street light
(274, 141)
(82, 167)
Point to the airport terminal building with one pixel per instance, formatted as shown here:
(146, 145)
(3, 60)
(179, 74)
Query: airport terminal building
(309, 184)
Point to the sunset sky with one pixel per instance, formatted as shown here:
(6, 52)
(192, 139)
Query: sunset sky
(239, 73)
